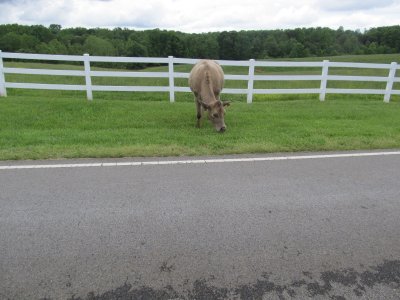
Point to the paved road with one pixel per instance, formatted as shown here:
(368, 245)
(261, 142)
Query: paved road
(325, 228)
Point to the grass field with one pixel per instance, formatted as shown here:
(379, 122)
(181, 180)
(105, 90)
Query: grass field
(58, 124)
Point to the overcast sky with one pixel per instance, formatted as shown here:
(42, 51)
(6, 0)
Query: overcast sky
(203, 16)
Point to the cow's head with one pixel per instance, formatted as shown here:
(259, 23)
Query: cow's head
(216, 114)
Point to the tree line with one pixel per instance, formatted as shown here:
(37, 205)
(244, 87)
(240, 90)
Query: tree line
(235, 45)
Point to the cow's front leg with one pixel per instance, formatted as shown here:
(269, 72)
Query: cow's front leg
(198, 107)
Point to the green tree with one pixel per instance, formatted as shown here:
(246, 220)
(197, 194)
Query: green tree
(98, 46)
(134, 48)
(235, 45)
(56, 47)
(55, 28)
(10, 42)
(298, 49)
(226, 42)
(42, 33)
(28, 43)
(372, 48)
(271, 47)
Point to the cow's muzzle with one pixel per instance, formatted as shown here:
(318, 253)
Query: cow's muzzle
(223, 128)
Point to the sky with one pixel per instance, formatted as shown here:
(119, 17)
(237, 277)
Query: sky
(203, 16)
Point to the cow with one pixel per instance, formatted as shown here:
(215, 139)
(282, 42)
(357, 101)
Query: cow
(206, 81)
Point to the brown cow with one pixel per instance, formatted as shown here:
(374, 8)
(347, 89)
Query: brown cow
(206, 81)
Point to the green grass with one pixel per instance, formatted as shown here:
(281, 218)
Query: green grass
(36, 128)
(63, 124)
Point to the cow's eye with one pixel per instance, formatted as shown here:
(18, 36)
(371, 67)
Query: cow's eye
(215, 115)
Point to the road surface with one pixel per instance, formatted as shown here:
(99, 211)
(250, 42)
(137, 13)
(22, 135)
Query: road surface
(317, 228)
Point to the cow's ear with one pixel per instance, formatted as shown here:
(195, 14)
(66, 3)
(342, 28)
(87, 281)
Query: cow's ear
(226, 103)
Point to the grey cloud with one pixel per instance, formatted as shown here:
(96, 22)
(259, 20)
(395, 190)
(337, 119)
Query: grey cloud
(13, 2)
(352, 5)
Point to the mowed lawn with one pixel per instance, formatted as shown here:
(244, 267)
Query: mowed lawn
(50, 124)
(38, 128)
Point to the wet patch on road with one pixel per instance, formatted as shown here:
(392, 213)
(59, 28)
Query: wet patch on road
(329, 284)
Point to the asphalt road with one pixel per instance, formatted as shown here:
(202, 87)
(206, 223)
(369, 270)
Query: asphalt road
(324, 228)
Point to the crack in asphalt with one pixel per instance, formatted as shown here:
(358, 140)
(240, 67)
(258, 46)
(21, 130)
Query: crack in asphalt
(328, 284)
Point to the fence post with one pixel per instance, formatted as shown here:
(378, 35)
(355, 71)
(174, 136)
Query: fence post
(250, 82)
(324, 80)
(389, 84)
(86, 61)
(3, 91)
(171, 79)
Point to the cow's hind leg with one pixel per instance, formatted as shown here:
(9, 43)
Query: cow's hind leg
(198, 107)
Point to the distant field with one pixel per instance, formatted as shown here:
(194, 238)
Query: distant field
(56, 124)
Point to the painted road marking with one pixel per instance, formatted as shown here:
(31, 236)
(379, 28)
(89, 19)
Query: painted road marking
(195, 161)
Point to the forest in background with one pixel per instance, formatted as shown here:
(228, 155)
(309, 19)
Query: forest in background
(234, 45)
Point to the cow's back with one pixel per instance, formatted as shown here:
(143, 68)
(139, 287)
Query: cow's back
(206, 72)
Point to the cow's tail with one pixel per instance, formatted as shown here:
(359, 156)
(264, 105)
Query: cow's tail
(207, 77)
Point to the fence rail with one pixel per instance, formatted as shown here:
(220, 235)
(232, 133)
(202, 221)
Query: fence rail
(250, 77)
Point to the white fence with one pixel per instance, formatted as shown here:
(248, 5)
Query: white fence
(250, 77)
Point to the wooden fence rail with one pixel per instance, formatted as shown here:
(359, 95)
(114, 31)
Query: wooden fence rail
(250, 77)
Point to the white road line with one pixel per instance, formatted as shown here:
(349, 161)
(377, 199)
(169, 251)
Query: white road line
(196, 161)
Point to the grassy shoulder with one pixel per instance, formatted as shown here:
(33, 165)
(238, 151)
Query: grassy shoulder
(63, 127)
